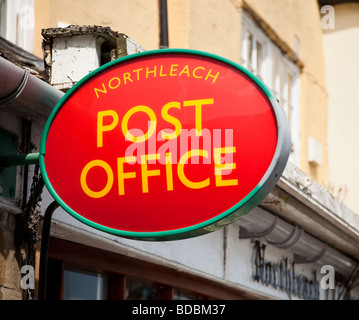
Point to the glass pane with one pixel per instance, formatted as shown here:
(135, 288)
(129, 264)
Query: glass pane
(290, 81)
(276, 78)
(139, 290)
(259, 58)
(289, 97)
(249, 50)
(282, 84)
(84, 285)
(181, 295)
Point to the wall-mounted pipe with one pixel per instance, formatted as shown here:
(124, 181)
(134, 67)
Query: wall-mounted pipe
(306, 249)
(164, 43)
(25, 94)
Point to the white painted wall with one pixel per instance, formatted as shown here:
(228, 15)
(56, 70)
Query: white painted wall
(82, 51)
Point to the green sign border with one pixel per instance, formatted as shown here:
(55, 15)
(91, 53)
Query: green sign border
(248, 203)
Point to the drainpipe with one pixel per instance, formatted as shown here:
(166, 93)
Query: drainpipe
(163, 24)
(260, 223)
(26, 95)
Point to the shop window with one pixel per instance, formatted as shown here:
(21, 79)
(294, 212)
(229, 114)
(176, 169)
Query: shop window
(81, 284)
(121, 277)
(84, 285)
(261, 56)
(137, 289)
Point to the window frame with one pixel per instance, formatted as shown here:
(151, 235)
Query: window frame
(248, 26)
(273, 58)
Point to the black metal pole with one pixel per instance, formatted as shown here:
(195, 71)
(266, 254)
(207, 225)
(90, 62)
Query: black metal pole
(45, 249)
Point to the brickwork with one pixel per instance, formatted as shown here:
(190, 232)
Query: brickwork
(10, 277)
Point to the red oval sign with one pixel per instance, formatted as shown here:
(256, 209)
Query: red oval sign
(164, 145)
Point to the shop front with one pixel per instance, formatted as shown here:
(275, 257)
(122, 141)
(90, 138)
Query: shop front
(294, 241)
